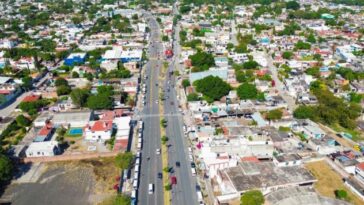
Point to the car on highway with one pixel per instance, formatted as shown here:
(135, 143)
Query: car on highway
(151, 188)
(158, 151)
(160, 175)
(173, 180)
(178, 164)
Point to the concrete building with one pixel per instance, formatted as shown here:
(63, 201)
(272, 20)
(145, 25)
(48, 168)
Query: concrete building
(42, 149)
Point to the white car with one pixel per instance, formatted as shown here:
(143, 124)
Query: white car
(158, 151)
(156, 101)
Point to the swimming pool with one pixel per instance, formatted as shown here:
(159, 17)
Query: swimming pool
(75, 131)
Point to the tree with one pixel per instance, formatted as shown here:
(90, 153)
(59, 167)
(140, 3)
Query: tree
(274, 114)
(165, 38)
(6, 168)
(253, 197)
(60, 81)
(99, 102)
(304, 112)
(314, 71)
(79, 96)
(302, 45)
(27, 83)
(105, 89)
(193, 97)
(311, 38)
(22, 121)
(251, 64)
(212, 87)
(63, 90)
(75, 75)
(247, 91)
(124, 160)
(185, 83)
(202, 61)
(292, 5)
(287, 55)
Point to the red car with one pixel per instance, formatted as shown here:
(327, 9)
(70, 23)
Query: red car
(173, 180)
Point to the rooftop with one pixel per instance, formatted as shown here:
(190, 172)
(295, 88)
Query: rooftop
(252, 175)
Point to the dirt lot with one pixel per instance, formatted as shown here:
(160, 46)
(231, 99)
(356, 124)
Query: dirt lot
(76, 182)
(329, 181)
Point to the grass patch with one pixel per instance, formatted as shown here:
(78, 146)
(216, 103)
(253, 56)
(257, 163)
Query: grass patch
(329, 181)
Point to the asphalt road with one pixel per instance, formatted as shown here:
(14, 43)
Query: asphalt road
(150, 116)
(184, 192)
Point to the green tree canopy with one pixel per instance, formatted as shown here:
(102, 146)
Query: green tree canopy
(23, 121)
(6, 168)
(292, 5)
(79, 96)
(186, 83)
(253, 197)
(124, 160)
(247, 91)
(287, 55)
(202, 61)
(60, 81)
(27, 82)
(99, 102)
(212, 87)
(274, 114)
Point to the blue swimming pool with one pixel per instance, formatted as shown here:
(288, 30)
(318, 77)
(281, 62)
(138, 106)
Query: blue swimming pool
(75, 131)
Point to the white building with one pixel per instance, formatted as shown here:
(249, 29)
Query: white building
(42, 149)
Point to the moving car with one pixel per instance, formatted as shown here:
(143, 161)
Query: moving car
(151, 188)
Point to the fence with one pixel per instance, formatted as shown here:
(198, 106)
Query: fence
(68, 157)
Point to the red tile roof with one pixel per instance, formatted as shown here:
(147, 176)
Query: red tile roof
(45, 130)
(5, 92)
(31, 98)
(101, 126)
(360, 166)
(249, 159)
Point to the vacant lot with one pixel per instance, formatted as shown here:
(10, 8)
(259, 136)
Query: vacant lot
(76, 182)
(329, 181)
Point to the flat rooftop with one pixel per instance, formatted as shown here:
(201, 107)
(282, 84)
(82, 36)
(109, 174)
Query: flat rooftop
(252, 175)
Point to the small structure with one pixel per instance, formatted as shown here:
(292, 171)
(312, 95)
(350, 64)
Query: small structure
(42, 149)
(75, 58)
(287, 160)
(45, 133)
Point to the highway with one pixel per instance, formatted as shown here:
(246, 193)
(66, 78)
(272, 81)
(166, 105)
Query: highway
(184, 192)
(150, 116)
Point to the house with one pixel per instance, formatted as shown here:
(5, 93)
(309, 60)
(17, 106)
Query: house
(300, 196)
(325, 145)
(75, 58)
(263, 176)
(42, 149)
(72, 119)
(98, 131)
(359, 171)
(219, 72)
(286, 160)
(45, 133)
(309, 129)
(131, 55)
(31, 98)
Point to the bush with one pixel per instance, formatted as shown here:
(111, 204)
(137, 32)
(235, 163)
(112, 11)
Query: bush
(168, 187)
(253, 197)
(341, 194)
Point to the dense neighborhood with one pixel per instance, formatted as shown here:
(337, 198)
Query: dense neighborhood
(182, 102)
